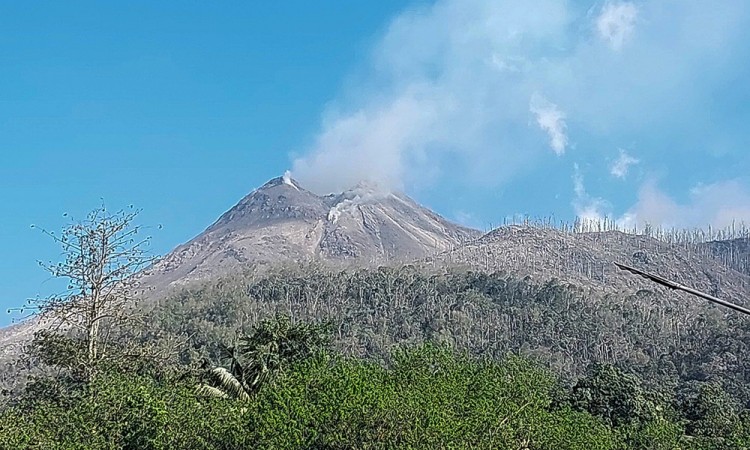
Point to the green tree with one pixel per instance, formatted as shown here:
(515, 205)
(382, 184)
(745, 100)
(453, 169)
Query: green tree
(711, 412)
(271, 347)
(613, 395)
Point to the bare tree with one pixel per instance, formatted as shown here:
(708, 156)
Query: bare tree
(102, 255)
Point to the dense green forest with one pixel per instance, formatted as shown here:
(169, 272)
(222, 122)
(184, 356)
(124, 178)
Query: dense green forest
(396, 358)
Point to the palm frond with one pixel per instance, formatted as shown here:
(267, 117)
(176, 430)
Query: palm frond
(229, 384)
(205, 390)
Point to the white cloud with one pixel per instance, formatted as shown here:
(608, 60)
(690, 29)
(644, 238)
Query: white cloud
(552, 120)
(446, 92)
(717, 204)
(616, 22)
(622, 164)
(436, 88)
(587, 208)
(513, 64)
(369, 144)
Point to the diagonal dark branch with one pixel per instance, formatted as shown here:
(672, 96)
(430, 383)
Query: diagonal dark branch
(672, 285)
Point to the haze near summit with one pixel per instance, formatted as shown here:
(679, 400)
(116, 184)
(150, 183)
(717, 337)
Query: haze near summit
(631, 106)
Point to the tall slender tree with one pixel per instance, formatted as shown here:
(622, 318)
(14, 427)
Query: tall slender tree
(102, 256)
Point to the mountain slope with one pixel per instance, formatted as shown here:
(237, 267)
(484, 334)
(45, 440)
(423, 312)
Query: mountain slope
(586, 259)
(281, 221)
(734, 253)
(367, 226)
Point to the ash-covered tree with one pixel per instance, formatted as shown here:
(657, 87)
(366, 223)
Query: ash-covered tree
(101, 257)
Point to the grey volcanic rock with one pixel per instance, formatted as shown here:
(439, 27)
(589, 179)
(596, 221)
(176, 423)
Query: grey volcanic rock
(586, 260)
(14, 337)
(381, 227)
(281, 221)
(279, 200)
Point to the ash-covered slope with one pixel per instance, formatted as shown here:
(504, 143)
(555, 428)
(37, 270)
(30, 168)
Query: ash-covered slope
(367, 223)
(734, 253)
(278, 221)
(281, 221)
(586, 260)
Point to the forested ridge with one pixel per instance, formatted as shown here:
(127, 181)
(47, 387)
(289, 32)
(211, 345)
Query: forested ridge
(651, 332)
(417, 359)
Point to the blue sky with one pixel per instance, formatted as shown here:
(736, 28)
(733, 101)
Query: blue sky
(480, 110)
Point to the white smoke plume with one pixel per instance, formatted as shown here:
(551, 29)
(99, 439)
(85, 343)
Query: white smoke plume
(435, 89)
(449, 89)
(287, 179)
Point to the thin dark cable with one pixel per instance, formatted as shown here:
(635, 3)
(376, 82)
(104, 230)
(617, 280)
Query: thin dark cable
(677, 286)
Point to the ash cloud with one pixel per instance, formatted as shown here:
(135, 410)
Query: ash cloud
(450, 91)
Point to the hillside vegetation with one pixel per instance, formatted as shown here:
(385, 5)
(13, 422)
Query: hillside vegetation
(526, 338)
(665, 339)
(427, 396)
(416, 359)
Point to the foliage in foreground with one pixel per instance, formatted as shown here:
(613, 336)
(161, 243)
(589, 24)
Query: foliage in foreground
(255, 358)
(285, 387)
(429, 397)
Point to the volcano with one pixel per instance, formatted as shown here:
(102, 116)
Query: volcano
(282, 221)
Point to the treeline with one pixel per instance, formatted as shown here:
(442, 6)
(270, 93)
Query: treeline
(311, 396)
(730, 246)
(734, 253)
(669, 342)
